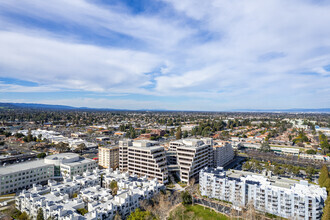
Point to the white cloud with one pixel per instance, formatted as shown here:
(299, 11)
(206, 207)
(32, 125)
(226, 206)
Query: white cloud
(225, 54)
(72, 65)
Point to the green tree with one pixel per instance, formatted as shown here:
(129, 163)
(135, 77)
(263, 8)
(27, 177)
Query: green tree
(41, 155)
(114, 187)
(140, 215)
(310, 171)
(310, 151)
(324, 175)
(185, 134)
(324, 144)
(23, 216)
(40, 214)
(326, 210)
(178, 134)
(186, 198)
(265, 147)
(82, 211)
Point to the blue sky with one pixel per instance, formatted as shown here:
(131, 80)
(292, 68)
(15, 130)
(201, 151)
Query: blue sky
(166, 54)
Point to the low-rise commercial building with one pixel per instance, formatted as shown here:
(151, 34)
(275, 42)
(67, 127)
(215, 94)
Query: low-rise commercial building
(70, 164)
(23, 175)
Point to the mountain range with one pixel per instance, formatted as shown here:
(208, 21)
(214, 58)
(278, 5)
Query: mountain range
(66, 107)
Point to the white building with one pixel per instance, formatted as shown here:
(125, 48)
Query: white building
(282, 197)
(70, 164)
(56, 138)
(57, 200)
(23, 175)
(16, 177)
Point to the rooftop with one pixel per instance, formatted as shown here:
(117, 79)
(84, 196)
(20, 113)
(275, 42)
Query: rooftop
(22, 166)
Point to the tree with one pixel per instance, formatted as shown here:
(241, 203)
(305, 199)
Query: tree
(114, 187)
(310, 171)
(23, 216)
(40, 214)
(324, 144)
(324, 175)
(140, 215)
(326, 210)
(81, 147)
(310, 151)
(178, 134)
(185, 134)
(41, 155)
(82, 211)
(265, 147)
(186, 198)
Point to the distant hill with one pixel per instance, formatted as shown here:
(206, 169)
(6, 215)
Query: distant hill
(34, 106)
(66, 107)
(293, 110)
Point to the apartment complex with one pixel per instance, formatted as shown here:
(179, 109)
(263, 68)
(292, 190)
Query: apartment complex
(191, 155)
(143, 158)
(282, 197)
(23, 175)
(109, 157)
(222, 155)
(56, 199)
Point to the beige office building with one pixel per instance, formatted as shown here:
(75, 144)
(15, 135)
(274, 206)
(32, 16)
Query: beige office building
(144, 158)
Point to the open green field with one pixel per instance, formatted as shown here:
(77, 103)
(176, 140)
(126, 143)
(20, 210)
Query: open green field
(195, 212)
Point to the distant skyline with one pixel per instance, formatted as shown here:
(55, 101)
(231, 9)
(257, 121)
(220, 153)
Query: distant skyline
(166, 54)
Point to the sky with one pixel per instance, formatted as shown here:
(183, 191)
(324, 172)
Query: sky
(213, 55)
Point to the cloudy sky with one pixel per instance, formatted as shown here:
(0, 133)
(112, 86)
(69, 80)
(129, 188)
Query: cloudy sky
(166, 54)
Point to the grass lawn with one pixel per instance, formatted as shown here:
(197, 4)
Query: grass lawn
(195, 212)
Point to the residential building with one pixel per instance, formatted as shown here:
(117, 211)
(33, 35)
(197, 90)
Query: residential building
(109, 157)
(222, 155)
(281, 197)
(56, 200)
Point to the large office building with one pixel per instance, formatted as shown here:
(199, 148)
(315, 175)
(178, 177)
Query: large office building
(143, 158)
(23, 175)
(109, 157)
(191, 156)
(123, 154)
(282, 197)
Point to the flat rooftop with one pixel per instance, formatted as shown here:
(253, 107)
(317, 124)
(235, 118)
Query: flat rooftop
(4, 170)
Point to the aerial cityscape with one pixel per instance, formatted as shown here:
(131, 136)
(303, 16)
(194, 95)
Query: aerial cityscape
(164, 110)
